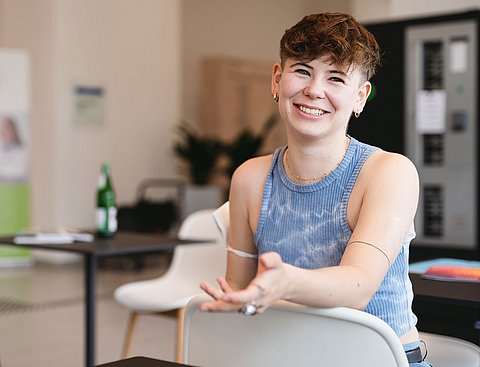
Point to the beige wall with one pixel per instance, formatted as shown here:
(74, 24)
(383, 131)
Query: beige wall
(132, 49)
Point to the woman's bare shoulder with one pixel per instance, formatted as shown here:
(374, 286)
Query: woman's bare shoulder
(391, 164)
(252, 174)
(389, 173)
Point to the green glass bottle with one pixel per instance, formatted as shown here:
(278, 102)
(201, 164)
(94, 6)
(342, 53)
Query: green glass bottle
(106, 205)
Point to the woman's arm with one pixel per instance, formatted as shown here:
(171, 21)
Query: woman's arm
(246, 191)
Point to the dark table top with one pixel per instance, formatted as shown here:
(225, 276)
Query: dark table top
(453, 291)
(141, 362)
(123, 243)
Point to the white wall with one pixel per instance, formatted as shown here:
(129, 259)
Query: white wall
(381, 10)
(129, 47)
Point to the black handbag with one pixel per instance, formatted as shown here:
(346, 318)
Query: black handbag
(149, 215)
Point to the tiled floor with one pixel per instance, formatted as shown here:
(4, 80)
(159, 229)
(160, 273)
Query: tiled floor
(42, 316)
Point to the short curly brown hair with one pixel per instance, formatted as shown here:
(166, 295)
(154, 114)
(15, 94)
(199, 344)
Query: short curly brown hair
(336, 36)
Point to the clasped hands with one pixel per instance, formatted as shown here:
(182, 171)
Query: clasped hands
(268, 286)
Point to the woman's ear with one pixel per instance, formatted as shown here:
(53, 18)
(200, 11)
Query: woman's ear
(276, 76)
(362, 96)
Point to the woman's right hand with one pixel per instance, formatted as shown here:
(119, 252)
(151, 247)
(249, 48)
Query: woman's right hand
(266, 288)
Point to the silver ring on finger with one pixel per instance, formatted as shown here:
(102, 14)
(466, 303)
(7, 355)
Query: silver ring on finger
(249, 309)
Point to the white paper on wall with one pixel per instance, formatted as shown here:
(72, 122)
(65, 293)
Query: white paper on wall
(459, 56)
(89, 104)
(430, 111)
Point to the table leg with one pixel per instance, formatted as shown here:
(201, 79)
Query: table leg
(90, 282)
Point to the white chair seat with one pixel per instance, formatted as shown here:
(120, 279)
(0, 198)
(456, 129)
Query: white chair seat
(138, 297)
(446, 351)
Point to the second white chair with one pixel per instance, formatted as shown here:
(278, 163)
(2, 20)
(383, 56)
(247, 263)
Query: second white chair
(191, 264)
(446, 351)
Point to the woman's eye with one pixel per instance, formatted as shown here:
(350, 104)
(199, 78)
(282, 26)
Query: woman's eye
(336, 79)
(302, 72)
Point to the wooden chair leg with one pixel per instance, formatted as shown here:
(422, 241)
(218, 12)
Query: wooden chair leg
(127, 344)
(179, 339)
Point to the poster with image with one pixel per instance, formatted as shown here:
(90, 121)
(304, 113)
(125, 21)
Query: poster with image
(14, 152)
(13, 149)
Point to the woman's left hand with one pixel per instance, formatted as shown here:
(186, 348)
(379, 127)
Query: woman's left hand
(268, 286)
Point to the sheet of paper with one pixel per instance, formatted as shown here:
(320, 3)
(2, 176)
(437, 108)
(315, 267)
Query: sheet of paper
(430, 112)
(89, 104)
(459, 56)
(52, 238)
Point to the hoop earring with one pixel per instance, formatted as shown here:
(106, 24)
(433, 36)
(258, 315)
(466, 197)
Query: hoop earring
(275, 97)
(357, 114)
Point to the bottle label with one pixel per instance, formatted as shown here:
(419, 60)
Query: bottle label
(107, 220)
(112, 220)
(102, 181)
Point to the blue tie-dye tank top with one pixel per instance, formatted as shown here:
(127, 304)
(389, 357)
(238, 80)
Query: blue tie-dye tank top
(307, 225)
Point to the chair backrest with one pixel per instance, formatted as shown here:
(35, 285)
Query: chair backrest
(205, 261)
(200, 225)
(289, 335)
(222, 219)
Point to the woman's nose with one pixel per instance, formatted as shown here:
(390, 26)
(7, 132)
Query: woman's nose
(315, 89)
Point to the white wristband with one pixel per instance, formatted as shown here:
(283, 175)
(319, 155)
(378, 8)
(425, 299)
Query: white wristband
(241, 253)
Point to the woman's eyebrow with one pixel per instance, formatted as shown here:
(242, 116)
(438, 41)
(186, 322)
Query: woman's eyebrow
(339, 72)
(302, 64)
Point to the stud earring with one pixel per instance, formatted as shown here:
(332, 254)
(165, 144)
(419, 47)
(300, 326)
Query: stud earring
(357, 114)
(275, 97)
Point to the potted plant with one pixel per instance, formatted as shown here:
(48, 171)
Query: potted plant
(201, 155)
(247, 145)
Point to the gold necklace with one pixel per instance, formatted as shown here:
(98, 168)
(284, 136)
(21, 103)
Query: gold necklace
(325, 175)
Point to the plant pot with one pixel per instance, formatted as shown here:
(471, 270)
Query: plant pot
(196, 197)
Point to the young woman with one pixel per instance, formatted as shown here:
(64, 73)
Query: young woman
(327, 220)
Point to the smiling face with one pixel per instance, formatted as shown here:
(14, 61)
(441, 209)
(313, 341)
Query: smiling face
(317, 98)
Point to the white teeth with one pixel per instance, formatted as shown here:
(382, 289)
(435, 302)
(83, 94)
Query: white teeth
(311, 111)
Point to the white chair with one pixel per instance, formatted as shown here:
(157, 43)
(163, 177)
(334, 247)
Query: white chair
(288, 335)
(190, 265)
(446, 351)
(222, 219)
